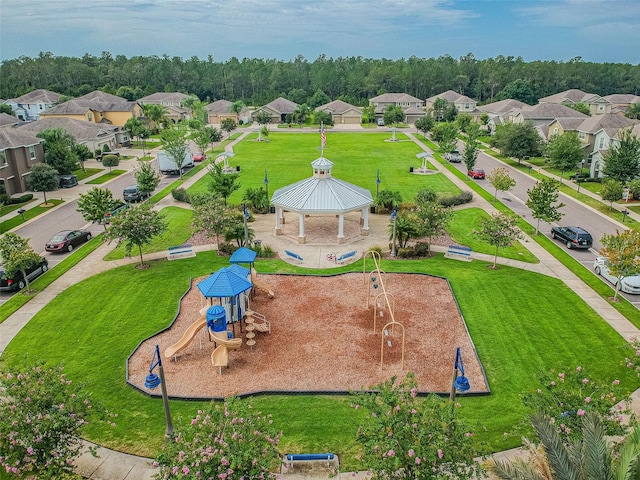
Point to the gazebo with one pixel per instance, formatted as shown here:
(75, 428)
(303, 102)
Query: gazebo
(322, 194)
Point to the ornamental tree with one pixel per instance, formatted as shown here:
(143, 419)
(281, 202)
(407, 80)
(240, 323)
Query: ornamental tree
(501, 230)
(501, 181)
(432, 219)
(175, 144)
(471, 146)
(622, 160)
(146, 177)
(220, 183)
(565, 152)
(229, 441)
(407, 437)
(137, 226)
(17, 256)
(542, 197)
(95, 204)
(611, 191)
(623, 254)
(43, 178)
(446, 134)
(42, 413)
(228, 125)
(210, 215)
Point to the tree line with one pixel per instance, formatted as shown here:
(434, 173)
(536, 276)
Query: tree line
(257, 81)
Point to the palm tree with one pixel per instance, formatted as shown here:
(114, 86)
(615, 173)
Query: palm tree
(590, 458)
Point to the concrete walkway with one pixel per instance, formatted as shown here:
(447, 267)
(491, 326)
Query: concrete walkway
(111, 465)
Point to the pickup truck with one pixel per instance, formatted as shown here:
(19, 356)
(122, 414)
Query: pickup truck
(117, 208)
(454, 156)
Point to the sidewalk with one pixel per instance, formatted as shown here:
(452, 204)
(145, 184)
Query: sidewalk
(113, 465)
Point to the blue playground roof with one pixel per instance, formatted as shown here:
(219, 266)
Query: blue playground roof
(224, 283)
(243, 255)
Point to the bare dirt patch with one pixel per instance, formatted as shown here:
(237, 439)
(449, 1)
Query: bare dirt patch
(322, 339)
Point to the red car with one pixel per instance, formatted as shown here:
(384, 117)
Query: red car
(67, 240)
(198, 157)
(476, 173)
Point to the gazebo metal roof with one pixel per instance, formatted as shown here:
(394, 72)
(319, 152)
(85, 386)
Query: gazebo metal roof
(319, 194)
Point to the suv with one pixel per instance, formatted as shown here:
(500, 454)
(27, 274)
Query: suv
(104, 154)
(454, 156)
(67, 181)
(573, 237)
(17, 282)
(133, 194)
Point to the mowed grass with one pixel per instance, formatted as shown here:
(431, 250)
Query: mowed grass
(520, 322)
(356, 156)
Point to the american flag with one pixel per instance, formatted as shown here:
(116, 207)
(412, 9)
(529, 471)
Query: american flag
(323, 135)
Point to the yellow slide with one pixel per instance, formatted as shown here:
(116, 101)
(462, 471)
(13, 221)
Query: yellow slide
(189, 335)
(265, 287)
(220, 356)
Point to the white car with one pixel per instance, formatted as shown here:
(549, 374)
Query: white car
(629, 284)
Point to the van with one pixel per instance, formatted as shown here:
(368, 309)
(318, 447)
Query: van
(381, 122)
(67, 181)
(132, 193)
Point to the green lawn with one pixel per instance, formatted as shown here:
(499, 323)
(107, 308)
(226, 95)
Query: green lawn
(106, 177)
(520, 321)
(86, 173)
(356, 157)
(29, 214)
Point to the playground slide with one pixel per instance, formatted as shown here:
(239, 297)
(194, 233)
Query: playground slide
(220, 357)
(188, 335)
(230, 343)
(265, 287)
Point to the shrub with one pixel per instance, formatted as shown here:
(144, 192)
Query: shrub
(23, 198)
(634, 188)
(453, 200)
(180, 195)
(406, 252)
(5, 199)
(227, 248)
(264, 251)
(105, 148)
(421, 249)
(376, 249)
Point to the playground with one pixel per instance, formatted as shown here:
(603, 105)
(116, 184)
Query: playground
(322, 339)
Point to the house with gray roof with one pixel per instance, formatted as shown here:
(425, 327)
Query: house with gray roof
(597, 104)
(97, 111)
(99, 96)
(29, 106)
(610, 123)
(221, 109)
(603, 142)
(621, 101)
(403, 100)
(6, 120)
(462, 103)
(94, 135)
(543, 113)
(499, 112)
(166, 99)
(342, 113)
(19, 151)
(278, 109)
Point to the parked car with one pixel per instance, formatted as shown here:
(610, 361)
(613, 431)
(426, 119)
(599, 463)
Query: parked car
(573, 237)
(17, 281)
(67, 181)
(198, 157)
(476, 173)
(454, 156)
(628, 284)
(67, 240)
(104, 154)
(117, 208)
(132, 193)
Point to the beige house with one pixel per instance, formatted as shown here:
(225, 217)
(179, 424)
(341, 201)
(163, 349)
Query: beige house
(342, 113)
(19, 151)
(462, 103)
(221, 109)
(543, 113)
(278, 109)
(621, 101)
(610, 123)
(561, 125)
(597, 105)
(166, 99)
(8, 120)
(499, 112)
(94, 135)
(411, 106)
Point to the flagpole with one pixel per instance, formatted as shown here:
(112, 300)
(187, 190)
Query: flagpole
(323, 139)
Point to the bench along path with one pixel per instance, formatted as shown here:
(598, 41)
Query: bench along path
(183, 251)
(459, 252)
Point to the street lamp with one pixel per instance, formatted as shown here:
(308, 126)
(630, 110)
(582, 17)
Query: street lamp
(266, 183)
(246, 216)
(394, 216)
(377, 183)
(461, 382)
(152, 381)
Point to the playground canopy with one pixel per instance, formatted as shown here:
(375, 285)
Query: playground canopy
(243, 255)
(226, 282)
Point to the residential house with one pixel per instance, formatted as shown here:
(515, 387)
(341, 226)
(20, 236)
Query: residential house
(94, 135)
(278, 109)
(221, 109)
(621, 101)
(97, 107)
(609, 122)
(8, 120)
(172, 103)
(597, 104)
(561, 125)
(499, 111)
(19, 151)
(29, 106)
(414, 106)
(543, 113)
(342, 113)
(462, 103)
(603, 142)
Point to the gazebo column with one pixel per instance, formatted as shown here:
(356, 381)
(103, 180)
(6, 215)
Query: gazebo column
(301, 237)
(278, 222)
(365, 222)
(341, 228)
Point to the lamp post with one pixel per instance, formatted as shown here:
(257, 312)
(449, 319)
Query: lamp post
(458, 382)
(394, 216)
(266, 183)
(378, 183)
(245, 215)
(152, 381)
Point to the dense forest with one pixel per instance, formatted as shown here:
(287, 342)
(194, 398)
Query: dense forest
(352, 79)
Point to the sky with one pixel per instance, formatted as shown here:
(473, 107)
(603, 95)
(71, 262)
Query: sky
(595, 30)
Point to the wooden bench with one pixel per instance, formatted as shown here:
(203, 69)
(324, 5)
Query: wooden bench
(295, 256)
(459, 252)
(183, 251)
(346, 256)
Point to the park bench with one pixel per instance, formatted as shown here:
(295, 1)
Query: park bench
(182, 251)
(295, 256)
(346, 256)
(459, 252)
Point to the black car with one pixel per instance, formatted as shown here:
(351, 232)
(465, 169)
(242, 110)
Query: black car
(132, 193)
(573, 237)
(17, 281)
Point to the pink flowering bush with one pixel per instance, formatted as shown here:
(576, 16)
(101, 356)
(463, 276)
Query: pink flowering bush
(566, 395)
(228, 441)
(411, 437)
(42, 413)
